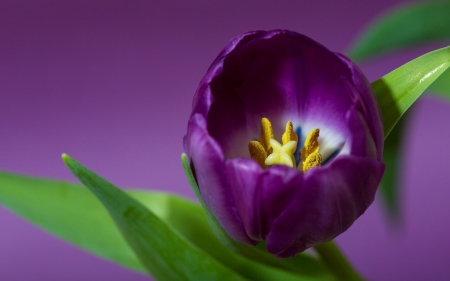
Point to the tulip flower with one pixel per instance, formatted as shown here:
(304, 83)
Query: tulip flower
(285, 140)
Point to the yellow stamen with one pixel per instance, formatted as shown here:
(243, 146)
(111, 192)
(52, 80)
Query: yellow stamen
(312, 161)
(311, 144)
(310, 153)
(266, 134)
(282, 154)
(258, 153)
(289, 134)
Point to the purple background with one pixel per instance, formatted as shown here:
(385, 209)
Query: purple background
(111, 83)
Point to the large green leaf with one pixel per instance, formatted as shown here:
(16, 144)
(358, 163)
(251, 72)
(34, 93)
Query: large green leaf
(395, 93)
(408, 26)
(160, 249)
(72, 213)
(399, 89)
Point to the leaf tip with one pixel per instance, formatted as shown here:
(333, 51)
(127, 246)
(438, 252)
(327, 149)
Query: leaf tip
(65, 157)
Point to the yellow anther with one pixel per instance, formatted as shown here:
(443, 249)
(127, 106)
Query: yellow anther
(313, 160)
(311, 144)
(266, 134)
(282, 154)
(289, 134)
(258, 153)
(310, 153)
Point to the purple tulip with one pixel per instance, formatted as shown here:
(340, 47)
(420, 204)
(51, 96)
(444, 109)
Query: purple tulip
(268, 86)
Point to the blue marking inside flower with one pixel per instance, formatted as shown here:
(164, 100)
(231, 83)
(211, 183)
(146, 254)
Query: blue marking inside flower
(298, 131)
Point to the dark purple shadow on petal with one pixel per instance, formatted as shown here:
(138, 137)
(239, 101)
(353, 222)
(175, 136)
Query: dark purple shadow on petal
(211, 174)
(330, 200)
(203, 97)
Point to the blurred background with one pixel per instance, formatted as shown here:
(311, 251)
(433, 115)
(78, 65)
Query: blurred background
(111, 83)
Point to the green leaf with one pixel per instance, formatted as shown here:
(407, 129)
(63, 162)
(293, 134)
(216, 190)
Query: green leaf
(303, 263)
(160, 249)
(72, 213)
(395, 93)
(332, 255)
(399, 89)
(408, 26)
(405, 27)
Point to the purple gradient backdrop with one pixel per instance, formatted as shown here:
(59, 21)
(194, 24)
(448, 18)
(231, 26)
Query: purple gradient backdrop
(111, 83)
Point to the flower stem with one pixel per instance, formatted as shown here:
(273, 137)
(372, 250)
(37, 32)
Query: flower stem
(336, 261)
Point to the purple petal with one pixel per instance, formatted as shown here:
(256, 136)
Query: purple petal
(359, 140)
(261, 196)
(277, 188)
(330, 200)
(244, 173)
(209, 166)
(373, 115)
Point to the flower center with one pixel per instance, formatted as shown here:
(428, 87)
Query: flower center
(282, 154)
(267, 151)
